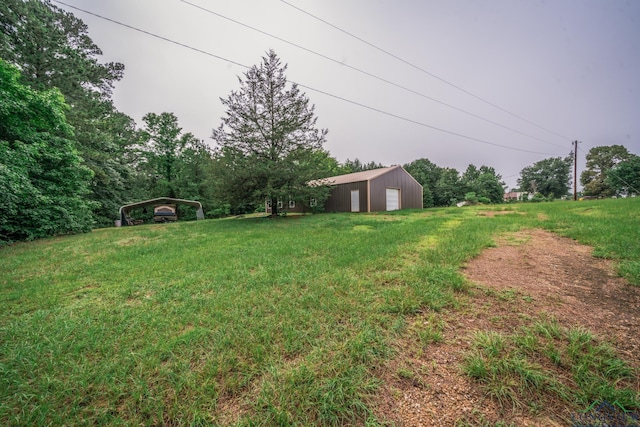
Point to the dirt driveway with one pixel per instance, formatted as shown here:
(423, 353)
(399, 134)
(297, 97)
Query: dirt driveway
(557, 277)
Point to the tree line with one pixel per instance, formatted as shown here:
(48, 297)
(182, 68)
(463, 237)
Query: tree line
(69, 159)
(611, 170)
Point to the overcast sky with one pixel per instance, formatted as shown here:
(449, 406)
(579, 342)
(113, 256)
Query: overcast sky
(559, 70)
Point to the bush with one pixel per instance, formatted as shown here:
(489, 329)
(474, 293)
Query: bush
(471, 198)
(538, 197)
(219, 211)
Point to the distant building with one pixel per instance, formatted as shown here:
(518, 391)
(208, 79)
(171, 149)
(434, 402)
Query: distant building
(376, 190)
(516, 195)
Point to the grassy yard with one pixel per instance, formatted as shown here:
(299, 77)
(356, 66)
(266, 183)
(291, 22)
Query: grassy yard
(250, 321)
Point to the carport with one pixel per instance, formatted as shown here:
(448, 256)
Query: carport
(125, 210)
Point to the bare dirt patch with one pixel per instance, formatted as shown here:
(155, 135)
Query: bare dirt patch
(565, 280)
(529, 274)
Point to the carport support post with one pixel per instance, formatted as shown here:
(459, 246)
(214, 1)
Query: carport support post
(575, 170)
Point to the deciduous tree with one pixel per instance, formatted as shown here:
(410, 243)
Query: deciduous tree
(484, 182)
(43, 181)
(427, 174)
(356, 165)
(164, 145)
(550, 177)
(624, 178)
(448, 190)
(52, 48)
(599, 161)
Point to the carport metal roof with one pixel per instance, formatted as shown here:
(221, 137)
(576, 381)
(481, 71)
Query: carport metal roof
(125, 209)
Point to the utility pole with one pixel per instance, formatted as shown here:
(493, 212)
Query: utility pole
(575, 170)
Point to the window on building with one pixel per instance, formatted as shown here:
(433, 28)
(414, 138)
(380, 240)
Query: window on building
(313, 203)
(279, 203)
(292, 204)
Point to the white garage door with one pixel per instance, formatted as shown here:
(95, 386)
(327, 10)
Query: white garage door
(393, 199)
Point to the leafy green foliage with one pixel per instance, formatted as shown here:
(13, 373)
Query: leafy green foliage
(484, 182)
(624, 178)
(268, 142)
(52, 49)
(600, 160)
(550, 176)
(173, 162)
(445, 186)
(355, 165)
(448, 190)
(427, 174)
(471, 198)
(538, 197)
(43, 179)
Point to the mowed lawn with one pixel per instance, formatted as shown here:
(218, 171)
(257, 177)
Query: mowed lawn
(248, 321)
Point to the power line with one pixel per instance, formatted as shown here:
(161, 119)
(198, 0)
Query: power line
(423, 70)
(382, 79)
(299, 84)
(151, 34)
(511, 176)
(417, 122)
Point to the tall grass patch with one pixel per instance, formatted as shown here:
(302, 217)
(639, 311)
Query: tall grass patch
(543, 363)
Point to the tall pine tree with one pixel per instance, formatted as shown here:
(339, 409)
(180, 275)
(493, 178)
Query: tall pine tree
(268, 141)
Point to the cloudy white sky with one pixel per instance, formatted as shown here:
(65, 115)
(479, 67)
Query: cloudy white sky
(569, 68)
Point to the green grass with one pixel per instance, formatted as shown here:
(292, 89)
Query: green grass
(519, 369)
(248, 321)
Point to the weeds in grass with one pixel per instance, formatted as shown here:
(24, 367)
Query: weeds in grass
(547, 328)
(526, 341)
(430, 330)
(405, 373)
(491, 343)
(476, 365)
(507, 367)
(508, 295)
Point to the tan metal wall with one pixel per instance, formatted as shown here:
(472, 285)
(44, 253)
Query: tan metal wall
(340, 198)
(410, 190)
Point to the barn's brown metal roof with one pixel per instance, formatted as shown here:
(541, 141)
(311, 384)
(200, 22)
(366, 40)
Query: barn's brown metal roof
(354, 177)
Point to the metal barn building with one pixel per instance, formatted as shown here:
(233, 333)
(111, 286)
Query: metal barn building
(375, 190)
